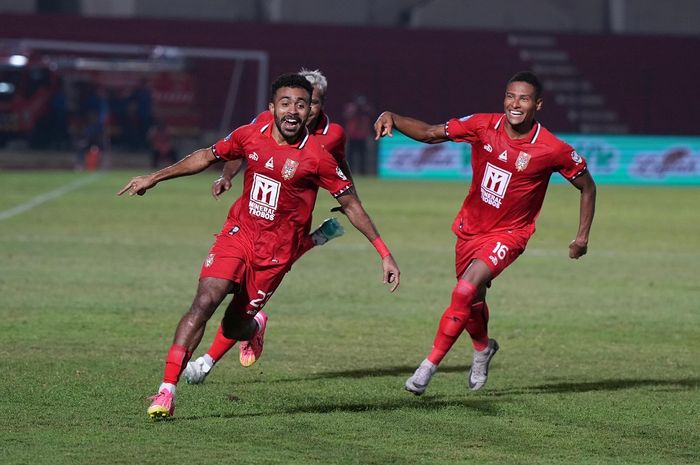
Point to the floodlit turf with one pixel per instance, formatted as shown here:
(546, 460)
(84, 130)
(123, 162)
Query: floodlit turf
(599, 360)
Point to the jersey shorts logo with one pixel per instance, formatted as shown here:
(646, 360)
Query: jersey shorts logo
(494, 185)
(289, 168)
(522, 161)
(263, 197)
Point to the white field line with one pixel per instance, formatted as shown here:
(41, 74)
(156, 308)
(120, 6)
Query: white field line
(45, 197)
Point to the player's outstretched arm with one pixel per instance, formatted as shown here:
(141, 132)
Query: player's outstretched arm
(193, 163)
(362, 222)
(413, 128)
(586, 185)
(223, 182)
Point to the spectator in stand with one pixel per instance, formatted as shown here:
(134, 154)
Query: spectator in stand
(358, 129)
(163, 151)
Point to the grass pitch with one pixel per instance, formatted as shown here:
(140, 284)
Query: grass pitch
(599, 361)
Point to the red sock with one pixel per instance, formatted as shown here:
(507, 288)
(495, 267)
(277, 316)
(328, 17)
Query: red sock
(177, 359)
(220, 345)
(478, 325)
(453, 320)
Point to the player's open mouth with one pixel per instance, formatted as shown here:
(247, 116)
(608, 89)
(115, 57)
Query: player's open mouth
(516, 113)
(290, 123)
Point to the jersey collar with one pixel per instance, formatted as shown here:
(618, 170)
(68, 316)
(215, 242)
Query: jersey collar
(535, 131)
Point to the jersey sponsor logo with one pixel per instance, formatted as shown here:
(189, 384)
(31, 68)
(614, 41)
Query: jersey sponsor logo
(269, 164)
(503, 156)
(488, 148)
(253, 156)
(264, 195)
(494, 185)
(522, 161)
(340, 173)
(209, 261)
(576, 157)
(289, 168)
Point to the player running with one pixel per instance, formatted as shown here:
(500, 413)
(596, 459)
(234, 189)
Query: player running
(513, 157)
(332, 138)
(265, 227)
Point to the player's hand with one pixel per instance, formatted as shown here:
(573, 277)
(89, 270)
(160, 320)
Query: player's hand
(391, 272)
(219, 186)
(384, 125)
(138, 185)
(578, 249)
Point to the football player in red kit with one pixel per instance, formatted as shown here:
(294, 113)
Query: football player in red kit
(265, 227)
(332, 138)
(513, 157)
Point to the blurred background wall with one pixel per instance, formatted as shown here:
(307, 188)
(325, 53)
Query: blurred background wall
(609, 66)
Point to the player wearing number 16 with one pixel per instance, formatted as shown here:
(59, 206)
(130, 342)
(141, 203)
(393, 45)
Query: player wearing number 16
(513, 157)
(265, 227)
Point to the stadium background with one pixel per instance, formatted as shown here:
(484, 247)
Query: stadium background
(609, 67)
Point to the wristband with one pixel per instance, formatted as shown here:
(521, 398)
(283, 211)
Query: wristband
(381, 247)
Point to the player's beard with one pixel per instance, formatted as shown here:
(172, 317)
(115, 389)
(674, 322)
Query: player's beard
(290, 133)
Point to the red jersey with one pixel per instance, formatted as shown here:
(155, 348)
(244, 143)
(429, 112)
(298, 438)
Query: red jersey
(331, 135)
(279, 188)
(510, 176)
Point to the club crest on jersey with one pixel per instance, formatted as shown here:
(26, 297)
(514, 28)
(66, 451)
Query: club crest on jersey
(576, 157)
(340, 173)
(209, 261)
(253, 156)
(522, 161)
(289, 168)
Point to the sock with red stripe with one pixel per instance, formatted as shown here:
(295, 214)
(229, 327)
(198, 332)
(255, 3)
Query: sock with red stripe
(220, 345)
(453, 320)
(176, 361)
(478, 325)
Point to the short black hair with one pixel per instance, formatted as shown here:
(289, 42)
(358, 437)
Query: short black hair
(529, 77)
(290, 80)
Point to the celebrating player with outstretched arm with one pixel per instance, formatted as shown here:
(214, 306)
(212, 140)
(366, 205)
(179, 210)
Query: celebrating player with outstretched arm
(513, 157)
(264, 228)
(332, 138)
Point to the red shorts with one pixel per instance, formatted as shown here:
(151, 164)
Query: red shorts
(232, 257)
(497, 250)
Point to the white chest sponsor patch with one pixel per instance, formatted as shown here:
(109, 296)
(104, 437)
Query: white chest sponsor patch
(264, 195)
(494, 185)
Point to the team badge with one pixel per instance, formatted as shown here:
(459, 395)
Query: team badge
(209, 261)
(576, 157)
(522, 161)
(340, 173)
(289, 168)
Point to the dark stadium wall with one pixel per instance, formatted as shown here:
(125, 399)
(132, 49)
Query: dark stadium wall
(427, 73)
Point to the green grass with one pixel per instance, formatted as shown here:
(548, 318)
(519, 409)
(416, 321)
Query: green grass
(600, 358)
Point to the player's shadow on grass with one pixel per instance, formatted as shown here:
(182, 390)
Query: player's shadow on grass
(427, 404)
(398, 371)
(681, 384)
